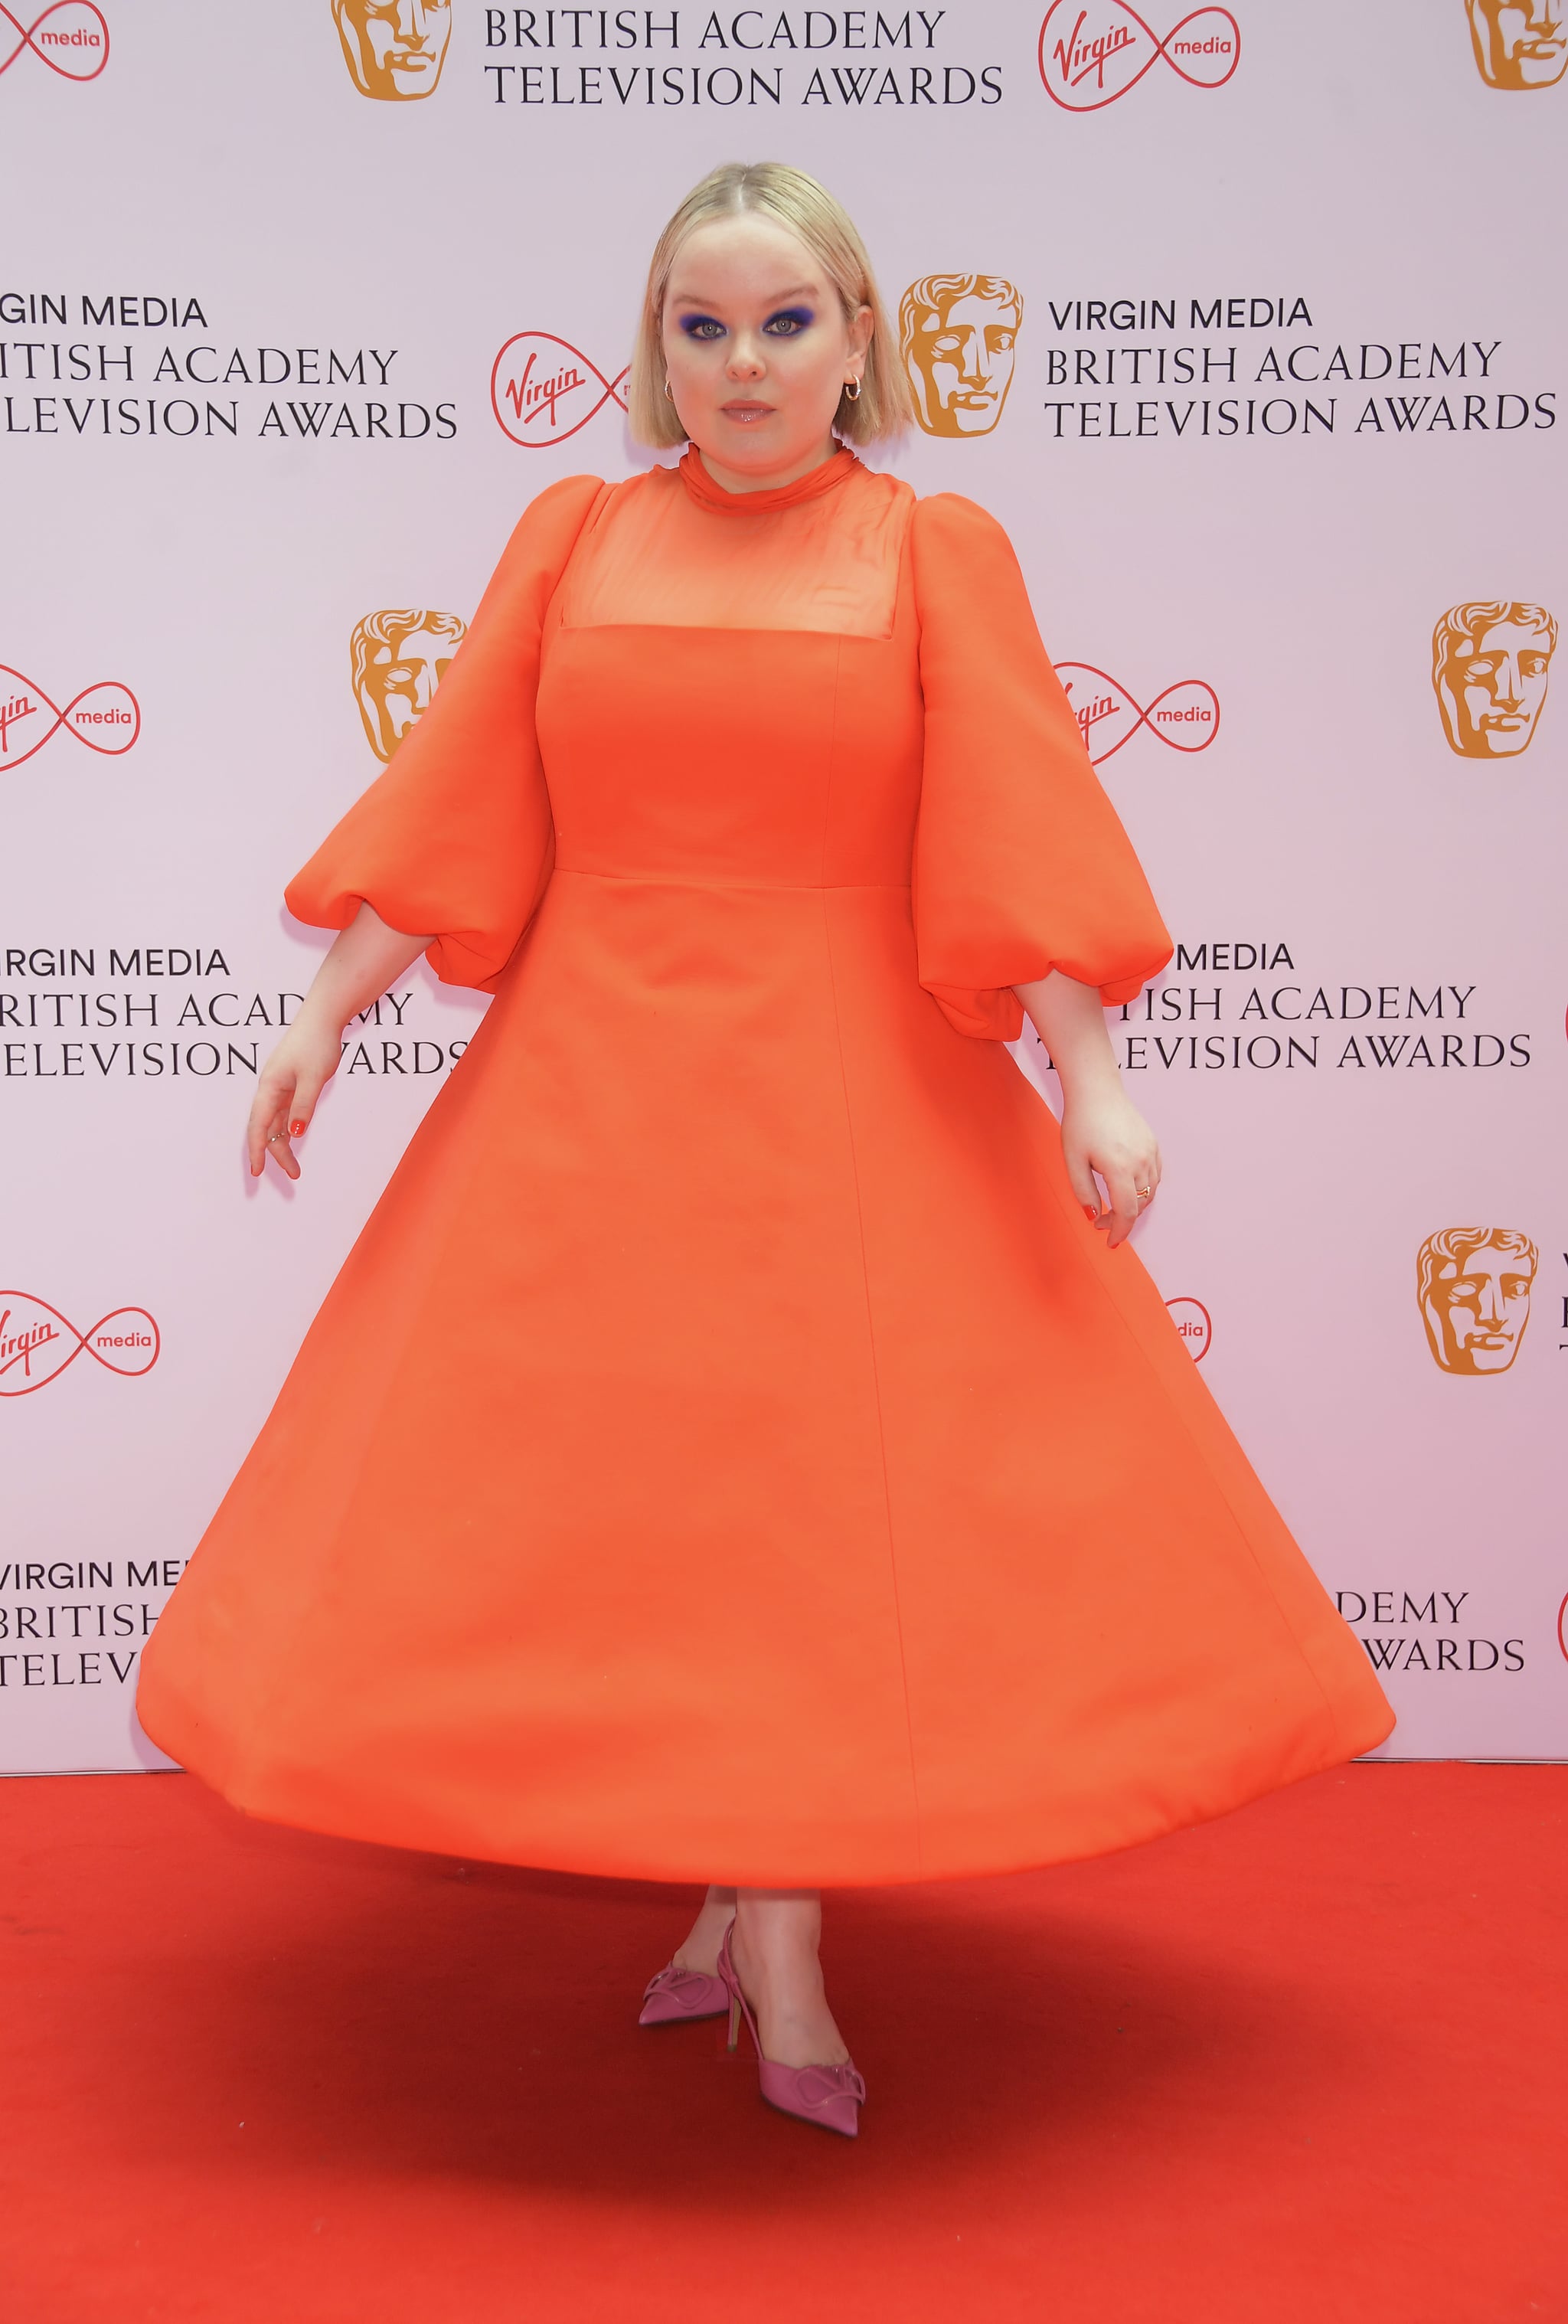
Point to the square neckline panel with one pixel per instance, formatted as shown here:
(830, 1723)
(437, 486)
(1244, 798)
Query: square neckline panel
(653, 556)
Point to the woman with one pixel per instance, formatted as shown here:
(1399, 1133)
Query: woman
(740, 1444)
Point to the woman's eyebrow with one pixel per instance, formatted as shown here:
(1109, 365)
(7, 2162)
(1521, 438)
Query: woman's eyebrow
(778, 299)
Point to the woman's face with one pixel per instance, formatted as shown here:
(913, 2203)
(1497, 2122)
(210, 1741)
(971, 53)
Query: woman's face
(757, 351)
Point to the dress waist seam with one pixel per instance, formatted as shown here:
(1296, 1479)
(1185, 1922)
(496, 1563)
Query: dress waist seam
(758, 887)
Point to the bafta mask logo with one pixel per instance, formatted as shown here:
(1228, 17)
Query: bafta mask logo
(394, 49)
(399, 658)
(957, 334)
(1490, 666)
(1473, 1287)
(1518, 43)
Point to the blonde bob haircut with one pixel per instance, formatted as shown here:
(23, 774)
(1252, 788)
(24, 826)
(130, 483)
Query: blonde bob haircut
(773, 189)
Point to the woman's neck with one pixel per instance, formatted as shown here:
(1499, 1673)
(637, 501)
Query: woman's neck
(735, 480)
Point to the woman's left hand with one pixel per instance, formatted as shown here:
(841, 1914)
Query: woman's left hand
(1102, 1131)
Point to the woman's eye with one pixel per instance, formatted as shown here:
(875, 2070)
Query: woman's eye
(702, 326)
(789, 325)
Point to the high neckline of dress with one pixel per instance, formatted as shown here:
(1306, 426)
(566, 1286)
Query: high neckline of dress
(835, 470)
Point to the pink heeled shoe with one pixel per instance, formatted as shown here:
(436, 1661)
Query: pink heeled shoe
(677, 1994)
(829, 2096)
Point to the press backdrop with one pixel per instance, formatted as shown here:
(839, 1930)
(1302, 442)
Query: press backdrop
(1241, 325)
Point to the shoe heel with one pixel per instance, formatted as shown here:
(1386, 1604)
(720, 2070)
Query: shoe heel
(734, 2023)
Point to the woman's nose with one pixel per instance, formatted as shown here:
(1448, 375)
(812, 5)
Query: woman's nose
(746, 359)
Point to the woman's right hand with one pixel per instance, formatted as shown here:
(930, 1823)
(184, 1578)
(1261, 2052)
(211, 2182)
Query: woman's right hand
(294, 1077)
(365, 958)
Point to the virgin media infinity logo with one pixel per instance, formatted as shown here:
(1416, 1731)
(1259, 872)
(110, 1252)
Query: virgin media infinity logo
(1194, 1324)
(109, 726)
(77, 47)
(1091, 56)
(1186, 715)
(542, 390)
(37, 1343)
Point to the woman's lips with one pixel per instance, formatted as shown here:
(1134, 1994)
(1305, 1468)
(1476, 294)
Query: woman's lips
(748, 414)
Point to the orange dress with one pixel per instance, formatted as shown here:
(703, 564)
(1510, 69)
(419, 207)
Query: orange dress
(728, 1452)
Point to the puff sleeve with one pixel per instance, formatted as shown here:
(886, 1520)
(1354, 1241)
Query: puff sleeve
(455, 836)
(1021, 864)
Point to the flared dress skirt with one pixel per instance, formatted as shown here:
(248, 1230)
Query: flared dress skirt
(728, 1452)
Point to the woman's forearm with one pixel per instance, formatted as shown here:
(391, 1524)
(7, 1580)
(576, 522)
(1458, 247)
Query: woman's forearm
(1101, 1129)
(1070, 1019)
(365, 958)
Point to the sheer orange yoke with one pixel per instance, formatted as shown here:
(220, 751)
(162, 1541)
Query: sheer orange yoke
(713, 1461)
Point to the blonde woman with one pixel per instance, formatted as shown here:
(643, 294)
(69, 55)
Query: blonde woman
(741, 1446)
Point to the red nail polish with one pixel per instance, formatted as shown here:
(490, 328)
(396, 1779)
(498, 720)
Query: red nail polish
(1089, 1215)
(296, 1128)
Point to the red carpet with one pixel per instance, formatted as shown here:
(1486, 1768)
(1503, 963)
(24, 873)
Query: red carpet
(1307, 2066)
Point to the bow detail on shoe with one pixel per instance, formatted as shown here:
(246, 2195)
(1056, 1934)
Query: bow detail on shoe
(676, 1982)
(819, 2085)
(678, 1993)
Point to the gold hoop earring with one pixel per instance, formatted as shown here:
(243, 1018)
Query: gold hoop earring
(668, 390)
(851, 390)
